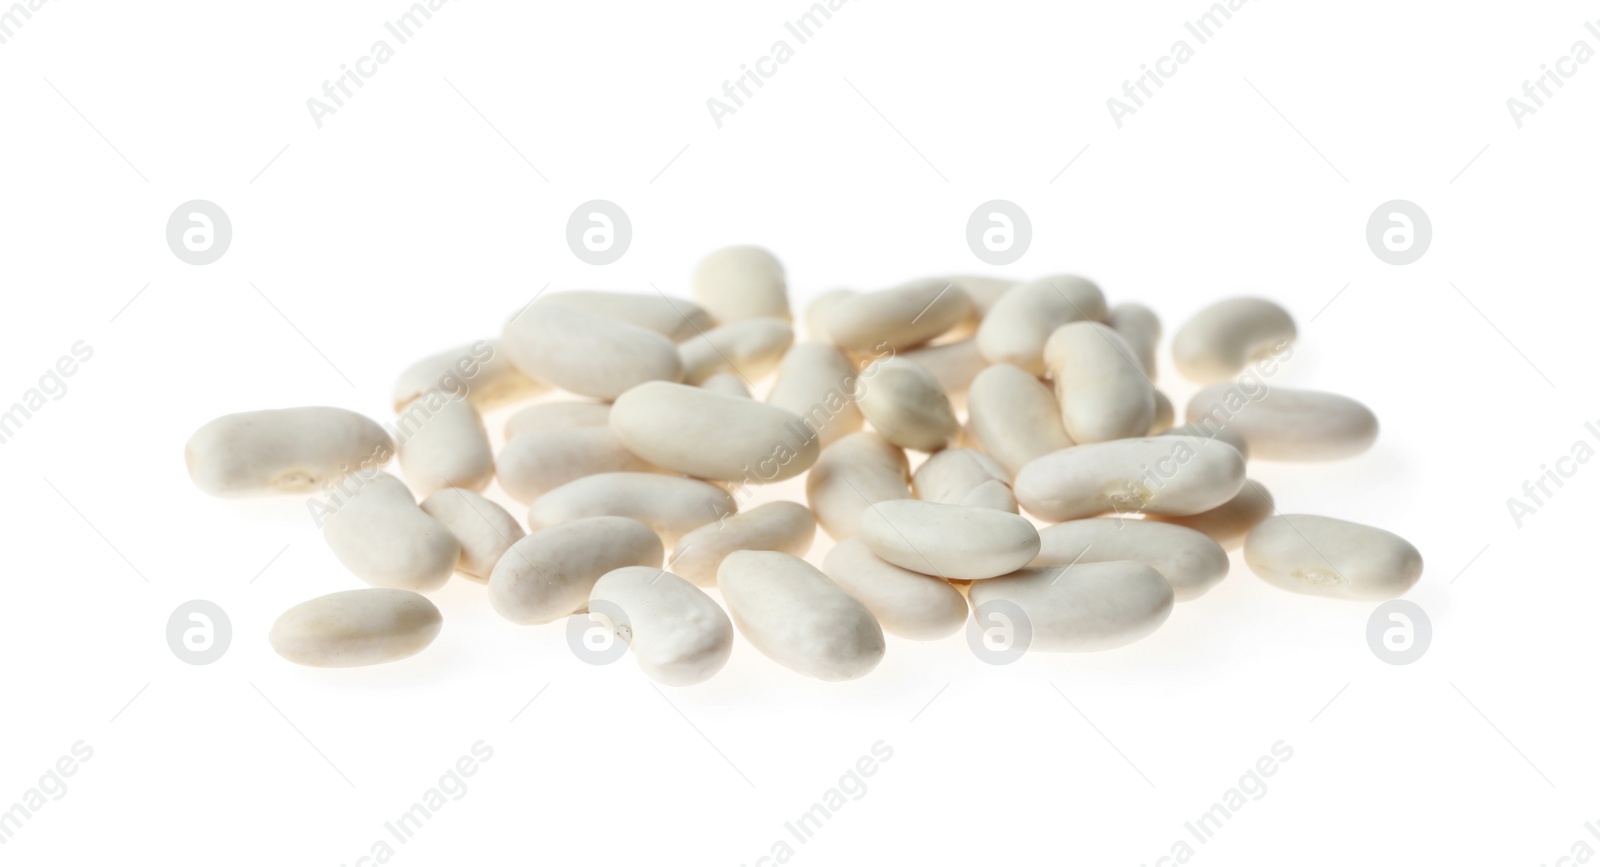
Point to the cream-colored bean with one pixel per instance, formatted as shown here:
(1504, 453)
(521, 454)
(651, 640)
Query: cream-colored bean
(906, 603)
(1154, 475)
(952, 542)
(1230, 522)
(479, 370)
(678, 634)
(669, 505)
(1221, 340)
(1288, 424)
(712, 436)
(1087, 607)
(905, 316)
(984, 291)
(1322, 556)
(1141, 328)
(904, 403)
(742, 282)
(534, 464)
(953, 366)
(778, 526)
(283, 451)
(964, 477)
(817, 313)
(818, 383)
(795, 615)
(557, 415)
(1191, 561)
(1014, 417)
(1103, 394)
(852, 474)
(588, 354)
(1210, 431)
(1017, 327)
(749, 348)
(356, 627)
(726, 383)
(482, 527)
(443, 445)
(676, 319)
(1165, 414)
(379, 533)
(548, 573)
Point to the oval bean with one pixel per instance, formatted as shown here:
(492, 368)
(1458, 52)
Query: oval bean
(1014, 417)
(1191, 561)
(797, 616)
(905, 316)
(952, 365)
(479, 371)
(1103, 393)
(778, 526)
(380, 534)
(1155, 475)
(676, 319)
(1018, 325)
(742, 282)
(588, 354)
(548, 573)
(1141, 328)
(1289, 424)
(964, 477)
(443, 445)
(749, 348)
(1230, 522)
(282, 451)
(852, 474)
(904, 403)
(817, 313)
(669, 505)
(1328, 557)
(726, 383)
(1087, 607)
(356, 627)
(818, 383)
(1221, 340)
(1210, 431)
(678, 634)
(952, 542)
(556, 415)
(906, 603)
(480, 525)
(712, 436)
(534, 464)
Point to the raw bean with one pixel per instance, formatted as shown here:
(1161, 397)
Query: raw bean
(726, 383)
(482, 527)
(964, 477)
(852, 474)
(738, 283)
(479, 371)
(1014, 417)
(1210, 431)
(443, 445)
(556, 415)
(1219, 341)
(904, 403)
(678, 634)
(1230, 522)
(779, 526)
(1141, 328)
(906, 603)
(379, 534)
(953, 366)
(1103, 394)
(282, 451)
(1016, 328)
(534, 464)
(1191, 561)
(669, 505)
(817, 313)
(676, 319)
(984, 291)
(356, 627)
(900, 318)
(1090, 606)
(548, 573)
(1155, 475)
(712, 436)
(952, 542)
(749, 348)
(588, 354)
(1328, 557)
(1165, 415)
(818, 383)
(797, 616)
(1289, 424)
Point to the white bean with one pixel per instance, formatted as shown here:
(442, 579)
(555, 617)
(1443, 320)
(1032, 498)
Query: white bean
(1014, 417)
(1328, 557)
(904, 403)
(356, 627)
(818, 310)
(795, 615)
(678, 634)
(778, 526)
(1165, 415)
(669, 505)
(712, 436)
(1191, 561)
(1087, 607)
(548, 573)
(743, 282)
(588, 354)
(953, 366)
(1015, 329)
(283, 451)
(558, 414)
(1141, 328)
(906, 603)
(1156, 475)
(479, 371)
(1103, 393)
(676, 319)
(443, 445)
(952, 542)
(984, 291)
(852, 474)
(749, 348)
(899, 318)
(380, 534)
(1219, 341)
(1288, 424)
(1230, 522)
(726, 383)
(534, 464)
(483, 528)
(1210, 431)
(964, 477)
(818, 383)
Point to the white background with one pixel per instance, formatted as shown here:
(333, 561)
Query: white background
(410, 222)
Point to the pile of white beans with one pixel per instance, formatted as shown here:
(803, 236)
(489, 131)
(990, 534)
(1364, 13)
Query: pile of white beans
(1055, 484)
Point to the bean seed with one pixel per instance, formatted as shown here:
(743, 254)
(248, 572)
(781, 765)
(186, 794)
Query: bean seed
(738, 283)
(1156, 475)
(1230, 522)
(558, 414)
(588, 354)
(852, 474)
(669, 505)
(964, 477)
(1141, 328)
(952, 542)
(1287, 424)
(1221, 340)
(1015, 329)
(904, 403)
(380, 534)
(778, 526)
(482, 527)
(794, 614)
(534, 464)
(1087, 607)
(899, 318)
(818, 383)
(1191, 561)
(443, 445)
(676, 319)
(1015, 417)
(1103, 394)
(548, 573)
(282, 451)
(749, 348)
(678, 634)
(480, 370)
(712, 436)
(1328, 557)
(906, 603)
(356, 627)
